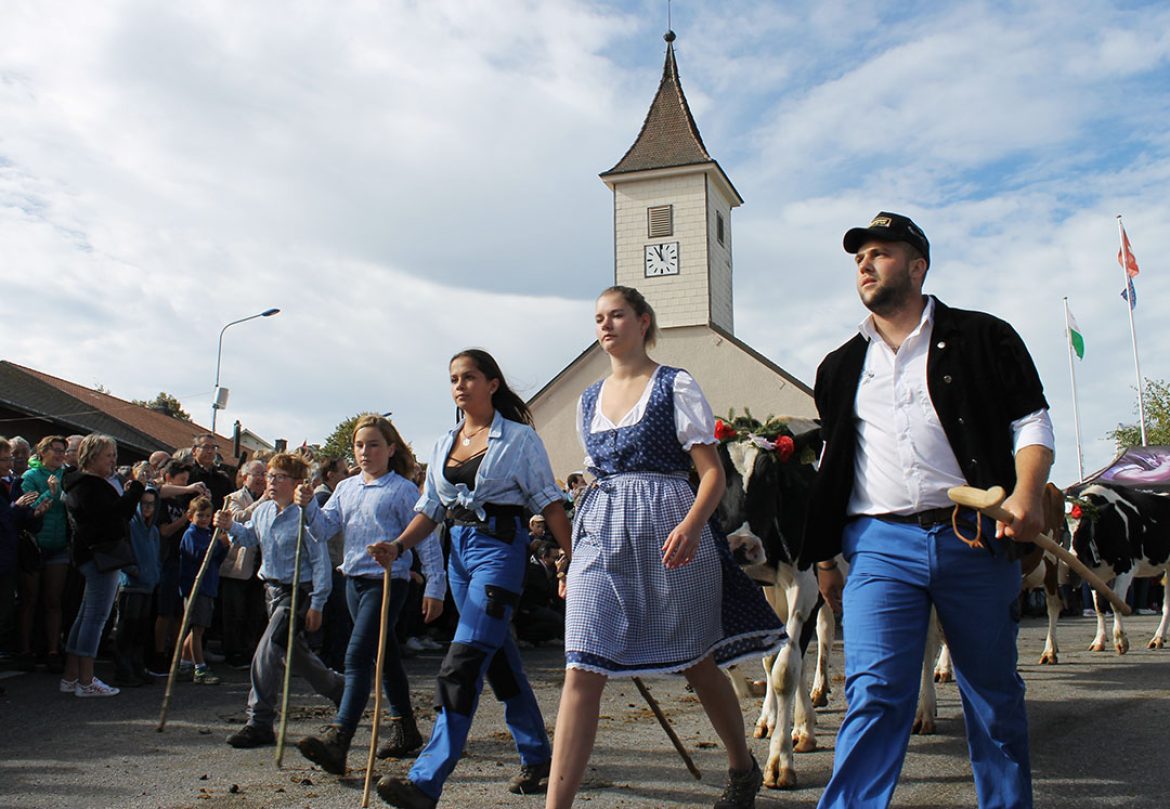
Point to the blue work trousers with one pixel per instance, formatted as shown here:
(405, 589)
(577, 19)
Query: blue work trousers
(897, 572)
(365, 607)
(486, 575)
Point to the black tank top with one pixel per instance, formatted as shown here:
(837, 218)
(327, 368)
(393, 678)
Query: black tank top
(464, 471)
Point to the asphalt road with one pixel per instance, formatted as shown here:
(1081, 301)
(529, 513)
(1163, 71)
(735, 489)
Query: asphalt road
(1098, 737)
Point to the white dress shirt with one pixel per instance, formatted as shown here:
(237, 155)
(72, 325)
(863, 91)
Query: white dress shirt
(904, 463)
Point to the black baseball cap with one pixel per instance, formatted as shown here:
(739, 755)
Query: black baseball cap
(889, 227)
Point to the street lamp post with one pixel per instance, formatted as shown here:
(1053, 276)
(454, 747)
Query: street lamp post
(216, 405)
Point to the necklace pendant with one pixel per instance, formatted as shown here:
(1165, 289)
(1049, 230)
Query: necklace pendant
(467, 442)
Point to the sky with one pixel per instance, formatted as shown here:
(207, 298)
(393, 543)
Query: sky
(408, 179)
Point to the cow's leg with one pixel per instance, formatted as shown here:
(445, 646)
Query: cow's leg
(826, 633)
(1121, 587)
(766, 723)
(802, 598)
(1159, 639)
(1098, 644)
(799, 591)
(943, 671)
(927, 705)
(1052, 600)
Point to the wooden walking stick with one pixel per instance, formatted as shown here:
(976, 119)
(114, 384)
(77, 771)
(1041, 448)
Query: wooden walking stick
(378, 669)
(662, 720)
(292, 636)
(987, 501)
(162, 719)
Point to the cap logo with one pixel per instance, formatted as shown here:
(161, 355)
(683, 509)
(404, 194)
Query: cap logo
(881, 222)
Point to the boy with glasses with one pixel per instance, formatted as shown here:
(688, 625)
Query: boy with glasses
(274, 526)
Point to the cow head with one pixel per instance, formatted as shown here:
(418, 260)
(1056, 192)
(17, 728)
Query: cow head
(763, 508)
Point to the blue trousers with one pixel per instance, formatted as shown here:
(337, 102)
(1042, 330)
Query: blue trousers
(486, 576)
(897, 572)
(100, 591)
(365, 607)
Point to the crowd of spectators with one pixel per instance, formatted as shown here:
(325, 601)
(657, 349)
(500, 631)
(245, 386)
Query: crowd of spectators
(60, 609)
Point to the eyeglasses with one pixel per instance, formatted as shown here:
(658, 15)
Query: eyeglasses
(277, 478)
(206, 446)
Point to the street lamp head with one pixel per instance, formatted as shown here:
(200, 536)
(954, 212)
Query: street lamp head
(269, 312)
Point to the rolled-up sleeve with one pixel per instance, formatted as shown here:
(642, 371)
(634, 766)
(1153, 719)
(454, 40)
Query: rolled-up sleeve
(428, 503)
(1034, 428)
(535, 475)
(430, 554)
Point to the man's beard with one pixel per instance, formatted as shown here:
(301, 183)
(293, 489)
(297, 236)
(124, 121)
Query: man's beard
(888, 297)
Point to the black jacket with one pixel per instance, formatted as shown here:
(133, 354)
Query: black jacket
(980, 378)
(97, 512)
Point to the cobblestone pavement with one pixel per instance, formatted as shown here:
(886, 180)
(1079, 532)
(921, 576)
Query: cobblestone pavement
(1098, 737)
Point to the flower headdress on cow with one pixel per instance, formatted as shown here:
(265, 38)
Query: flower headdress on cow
(1081, 509)
(770, 435)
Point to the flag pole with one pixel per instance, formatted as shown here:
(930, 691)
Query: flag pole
(1125, 255)
(1072, 372)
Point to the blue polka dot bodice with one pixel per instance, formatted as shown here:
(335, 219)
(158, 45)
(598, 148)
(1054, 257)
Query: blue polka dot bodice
(651, 445)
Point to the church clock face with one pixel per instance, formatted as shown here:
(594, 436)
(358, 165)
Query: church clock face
(661, 259)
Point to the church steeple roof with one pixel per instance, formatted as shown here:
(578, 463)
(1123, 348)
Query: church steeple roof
(669, 135)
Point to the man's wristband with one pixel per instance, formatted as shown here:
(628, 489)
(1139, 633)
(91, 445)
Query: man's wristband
(826, 566)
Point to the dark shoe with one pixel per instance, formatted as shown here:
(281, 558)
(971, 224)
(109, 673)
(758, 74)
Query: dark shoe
(328, 749)
(531, 780)
(402, 738)
(742, 787)
(402, 792)
(252, 736)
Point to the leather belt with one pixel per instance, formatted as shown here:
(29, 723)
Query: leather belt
(923, 519)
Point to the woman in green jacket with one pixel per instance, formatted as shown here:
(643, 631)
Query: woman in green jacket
(48, 582)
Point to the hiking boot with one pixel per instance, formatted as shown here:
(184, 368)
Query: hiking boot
(402, 792)
(252, 736)
(203, 676)
(402, 738)
(531, 780)
(328, 749)
(741, 789)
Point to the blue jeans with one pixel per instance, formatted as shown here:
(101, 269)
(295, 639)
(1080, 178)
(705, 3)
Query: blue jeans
(100, 591)
(897, 572)
(486, 575)
(364, 597)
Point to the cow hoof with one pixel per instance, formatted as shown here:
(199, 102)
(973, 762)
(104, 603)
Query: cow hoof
(1097, 646)
(758, 688)
(761, 731)
(1156, 643)
(821, 698)
(923, 727)
(1048, 658)
(1122, 646)
(782, 778)
(804, 744)
(941, 676)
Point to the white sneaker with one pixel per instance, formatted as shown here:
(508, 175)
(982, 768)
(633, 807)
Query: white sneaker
(415, 645)
(67, 686)
(96, 689)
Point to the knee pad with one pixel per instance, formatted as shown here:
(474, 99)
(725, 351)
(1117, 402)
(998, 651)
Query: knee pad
(457, 684)
(500, 677)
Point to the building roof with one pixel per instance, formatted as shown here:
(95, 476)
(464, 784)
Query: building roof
(669, 135)
(85, 410)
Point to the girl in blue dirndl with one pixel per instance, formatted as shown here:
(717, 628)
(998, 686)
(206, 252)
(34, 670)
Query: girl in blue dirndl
(652, 589)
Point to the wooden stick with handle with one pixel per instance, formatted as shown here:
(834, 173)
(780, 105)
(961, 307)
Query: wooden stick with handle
(379, 667)
(162, 718)
(292, 636)
(662, 720)
(987, 501)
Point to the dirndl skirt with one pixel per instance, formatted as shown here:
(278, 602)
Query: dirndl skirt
(627, 615)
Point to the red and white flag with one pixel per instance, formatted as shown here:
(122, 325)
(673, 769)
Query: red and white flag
(1125, 255)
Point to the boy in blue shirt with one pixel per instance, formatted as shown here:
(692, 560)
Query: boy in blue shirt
(191, 550)
(134, 628)
(274, 526)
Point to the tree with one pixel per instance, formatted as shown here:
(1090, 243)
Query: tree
(1157, 402)
(166, 403)
(339, 444)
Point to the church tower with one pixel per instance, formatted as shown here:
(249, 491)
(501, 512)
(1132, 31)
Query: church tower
(672, 214)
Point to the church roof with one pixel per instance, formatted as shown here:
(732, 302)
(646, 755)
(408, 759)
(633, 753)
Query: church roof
(669, 135)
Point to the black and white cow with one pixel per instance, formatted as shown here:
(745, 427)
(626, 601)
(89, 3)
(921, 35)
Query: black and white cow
(762, 513)
(1123, 533)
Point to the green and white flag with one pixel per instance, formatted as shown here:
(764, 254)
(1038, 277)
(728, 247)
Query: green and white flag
(1075, 337)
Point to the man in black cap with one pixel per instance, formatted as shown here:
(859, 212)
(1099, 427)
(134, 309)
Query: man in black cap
(924, 398)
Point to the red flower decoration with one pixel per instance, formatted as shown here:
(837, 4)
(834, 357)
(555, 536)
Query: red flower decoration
(785, 446)
(1076, 511)
(723, 430)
